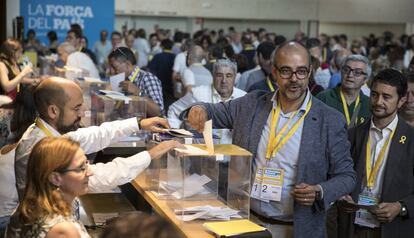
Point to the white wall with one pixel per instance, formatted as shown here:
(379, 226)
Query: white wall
(286, 28)
(355, 30)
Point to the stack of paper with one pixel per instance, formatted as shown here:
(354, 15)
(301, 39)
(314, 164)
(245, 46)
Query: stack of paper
(206, 213)
(231, 228)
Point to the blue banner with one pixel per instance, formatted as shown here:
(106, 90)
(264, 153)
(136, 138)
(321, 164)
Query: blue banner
(57, 15)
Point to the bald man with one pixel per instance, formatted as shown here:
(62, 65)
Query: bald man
(295, 139)
(196, 74)
(76, 59)
(60, 106)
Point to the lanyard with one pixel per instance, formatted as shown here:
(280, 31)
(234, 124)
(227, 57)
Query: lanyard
(134, 76)
(269, 84)
(345, 106)
(43, 128)
(275, 141)
(371, 174)
(15, 72)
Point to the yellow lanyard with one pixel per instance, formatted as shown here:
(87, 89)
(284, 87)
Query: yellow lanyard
(132, 79)
(371, 175)
(324, 54)
(15, 72)
(345, 107)
(272, 89)
(275, 142)
(39, 124)
(167, 51)
(248, 47)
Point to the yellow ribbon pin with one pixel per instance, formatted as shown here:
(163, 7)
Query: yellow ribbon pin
(361, 120)
(402, 139)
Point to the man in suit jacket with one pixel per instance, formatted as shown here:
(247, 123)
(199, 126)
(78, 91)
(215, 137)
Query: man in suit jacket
(383, 152)
(290, 133)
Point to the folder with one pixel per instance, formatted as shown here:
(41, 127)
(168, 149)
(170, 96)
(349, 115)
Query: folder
(237, 228)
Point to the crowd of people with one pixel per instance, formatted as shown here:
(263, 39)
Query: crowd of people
(333, 117)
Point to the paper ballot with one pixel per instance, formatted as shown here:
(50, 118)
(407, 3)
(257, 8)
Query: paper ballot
(208, 136)
(115, 80)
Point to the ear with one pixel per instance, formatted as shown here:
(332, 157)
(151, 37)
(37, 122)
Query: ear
(402, 101)
(55, 178)
(53, 111)
(274, 70)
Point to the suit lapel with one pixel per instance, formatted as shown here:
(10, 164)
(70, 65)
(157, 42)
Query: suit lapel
(360, 157)
(260, 117)
(395, 154)
(311, 129)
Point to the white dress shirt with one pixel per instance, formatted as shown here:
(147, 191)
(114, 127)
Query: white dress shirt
(92, 139)
(203, 93)
(81, 61)
(378, 139)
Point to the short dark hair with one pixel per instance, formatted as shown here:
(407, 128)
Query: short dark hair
(312, 43)
(410, 77)
(123, 54)
(77, 28)
(48, 94)
(76, 33)
(116, 33)
(178, 36)
(393, 78)
(265, 49)
(167, 44)
(215, 52)
(52, 35)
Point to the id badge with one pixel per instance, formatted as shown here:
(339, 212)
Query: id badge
(272, 184)
(364, 217)
(256, 188)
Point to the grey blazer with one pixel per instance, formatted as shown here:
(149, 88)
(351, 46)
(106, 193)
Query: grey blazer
(324, 156)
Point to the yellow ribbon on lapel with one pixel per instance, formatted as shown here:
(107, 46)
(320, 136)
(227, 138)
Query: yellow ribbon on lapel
(402, 139)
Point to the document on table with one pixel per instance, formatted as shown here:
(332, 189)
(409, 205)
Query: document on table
(208, 212)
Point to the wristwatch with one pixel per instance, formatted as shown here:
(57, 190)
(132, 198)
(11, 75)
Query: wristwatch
(403, 211)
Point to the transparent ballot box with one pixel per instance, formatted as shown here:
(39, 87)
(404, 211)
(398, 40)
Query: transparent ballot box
(210, 186)
(88, 88)
(109, 108)
(152, 172)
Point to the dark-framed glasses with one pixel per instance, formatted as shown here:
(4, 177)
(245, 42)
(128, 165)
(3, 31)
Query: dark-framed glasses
(287, 73)
(346, 70)
(81, 169)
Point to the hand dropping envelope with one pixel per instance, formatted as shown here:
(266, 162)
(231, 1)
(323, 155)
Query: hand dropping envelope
(208, 136)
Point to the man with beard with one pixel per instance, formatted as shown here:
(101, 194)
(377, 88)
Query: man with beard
(60, 106)
(383, 152)
(407, 110)
(295, 140)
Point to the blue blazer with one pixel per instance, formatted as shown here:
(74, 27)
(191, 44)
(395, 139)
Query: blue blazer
(324, 155)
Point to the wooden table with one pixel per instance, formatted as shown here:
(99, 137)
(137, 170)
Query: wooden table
(192, 229)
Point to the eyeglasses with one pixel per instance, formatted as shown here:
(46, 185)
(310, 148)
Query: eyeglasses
(357, 72)
(287, 73)
(80, 169)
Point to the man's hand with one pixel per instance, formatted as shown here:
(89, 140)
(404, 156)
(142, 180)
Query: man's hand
(386, 212)
(129, 87)
(347, 204)
(163, 147)
(154, 124)
(305, 194)
(197, 117)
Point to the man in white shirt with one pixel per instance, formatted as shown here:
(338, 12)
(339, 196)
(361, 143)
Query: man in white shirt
(60, 107)
(76, 59)
(102, 48)
(196, 74)
(222, 90)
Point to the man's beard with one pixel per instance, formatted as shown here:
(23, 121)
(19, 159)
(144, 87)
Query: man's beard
(63, 129)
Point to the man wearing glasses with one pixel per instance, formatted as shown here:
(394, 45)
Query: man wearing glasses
(348, 97)
(298, 144)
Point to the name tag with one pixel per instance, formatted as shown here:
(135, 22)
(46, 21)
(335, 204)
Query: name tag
(364, 217)
(268, 184)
